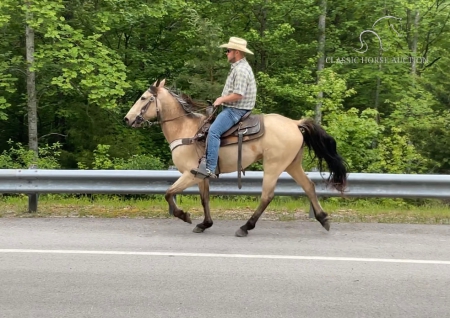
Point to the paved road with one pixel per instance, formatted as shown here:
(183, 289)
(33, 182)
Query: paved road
(159, 268)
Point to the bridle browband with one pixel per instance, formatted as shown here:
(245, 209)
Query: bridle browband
(140, 118)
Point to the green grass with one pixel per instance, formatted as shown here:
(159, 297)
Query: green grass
(230, 208)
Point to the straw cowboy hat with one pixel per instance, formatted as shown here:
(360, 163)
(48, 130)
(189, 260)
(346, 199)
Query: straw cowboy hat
(237, 44)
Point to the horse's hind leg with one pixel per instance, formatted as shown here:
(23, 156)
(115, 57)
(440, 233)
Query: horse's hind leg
(268, 192)
(298, 174)
(204, 195)
(186, 180)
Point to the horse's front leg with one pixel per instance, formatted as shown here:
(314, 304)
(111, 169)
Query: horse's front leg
(185, 181)
(204, 195)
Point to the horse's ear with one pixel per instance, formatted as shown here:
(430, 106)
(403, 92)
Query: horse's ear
(162, 83)
(157, 83)
(154, 89)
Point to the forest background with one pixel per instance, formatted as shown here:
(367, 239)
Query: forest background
(373, 73)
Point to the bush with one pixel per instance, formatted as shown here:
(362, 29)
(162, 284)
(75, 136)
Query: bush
(17, 157)
(103, 161)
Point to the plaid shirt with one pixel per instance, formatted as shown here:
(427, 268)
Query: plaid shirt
(241, 81)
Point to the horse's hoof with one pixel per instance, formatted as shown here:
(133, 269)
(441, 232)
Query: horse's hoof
(324, 220)
(241, 233)
(198, 229)
(326, 225)
(187, 218)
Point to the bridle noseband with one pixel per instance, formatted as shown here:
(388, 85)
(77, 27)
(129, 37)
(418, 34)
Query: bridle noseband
(140, 118)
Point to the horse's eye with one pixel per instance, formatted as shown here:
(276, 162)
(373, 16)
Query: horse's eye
(142, 98)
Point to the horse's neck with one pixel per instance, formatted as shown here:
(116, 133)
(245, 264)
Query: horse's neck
(182, 125)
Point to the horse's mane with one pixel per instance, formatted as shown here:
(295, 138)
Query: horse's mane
(188, 104)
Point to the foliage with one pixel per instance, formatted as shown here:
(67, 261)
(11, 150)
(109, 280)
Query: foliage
(103, 161)
(94, 58)
(18, 157)
(396, 154)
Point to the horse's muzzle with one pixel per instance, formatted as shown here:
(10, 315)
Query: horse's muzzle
(133, 123)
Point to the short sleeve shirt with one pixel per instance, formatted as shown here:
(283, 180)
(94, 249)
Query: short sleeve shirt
(241, 81)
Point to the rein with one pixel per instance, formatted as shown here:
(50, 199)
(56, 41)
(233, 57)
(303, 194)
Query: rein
(201, 132)
(159, 121)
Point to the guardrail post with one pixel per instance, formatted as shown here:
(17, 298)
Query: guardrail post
(175, 196)
(32, 197)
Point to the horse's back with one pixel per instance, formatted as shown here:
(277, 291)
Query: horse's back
(282, 127)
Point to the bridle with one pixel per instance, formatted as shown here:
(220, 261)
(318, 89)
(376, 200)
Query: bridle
(140, 118)
(159, 121)
(210, 110)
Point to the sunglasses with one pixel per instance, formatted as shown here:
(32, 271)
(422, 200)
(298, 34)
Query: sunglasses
(228, 51)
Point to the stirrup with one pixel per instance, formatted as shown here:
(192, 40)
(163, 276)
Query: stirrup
(203, 173)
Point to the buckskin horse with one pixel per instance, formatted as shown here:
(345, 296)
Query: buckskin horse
(278, 141)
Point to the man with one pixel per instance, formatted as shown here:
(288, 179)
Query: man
(238, 97)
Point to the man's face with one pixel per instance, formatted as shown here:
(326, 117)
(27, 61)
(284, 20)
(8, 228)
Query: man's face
(231, 55)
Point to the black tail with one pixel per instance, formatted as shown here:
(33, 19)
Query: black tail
(324, 147)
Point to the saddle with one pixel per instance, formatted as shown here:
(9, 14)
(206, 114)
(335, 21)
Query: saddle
(250, 127)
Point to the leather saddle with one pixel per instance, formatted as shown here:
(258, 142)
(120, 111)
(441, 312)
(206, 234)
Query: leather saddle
(250, 127)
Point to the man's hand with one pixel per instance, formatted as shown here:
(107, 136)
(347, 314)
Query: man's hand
(227, 99)
(218, 102)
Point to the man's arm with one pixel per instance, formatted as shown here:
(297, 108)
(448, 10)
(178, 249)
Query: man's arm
(233, 97)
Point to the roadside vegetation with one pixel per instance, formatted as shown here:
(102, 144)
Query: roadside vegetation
(230, 208)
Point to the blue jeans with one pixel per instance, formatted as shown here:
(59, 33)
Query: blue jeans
(228, 117)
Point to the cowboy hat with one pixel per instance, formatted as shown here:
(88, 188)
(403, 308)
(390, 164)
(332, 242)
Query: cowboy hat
(237, 44)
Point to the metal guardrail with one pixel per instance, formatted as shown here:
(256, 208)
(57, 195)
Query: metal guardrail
(38, 181)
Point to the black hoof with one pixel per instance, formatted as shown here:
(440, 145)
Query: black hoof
(324, 220)
(187, 218)
(326, 225)
(241, 233)
(201, 227)
(198, 229)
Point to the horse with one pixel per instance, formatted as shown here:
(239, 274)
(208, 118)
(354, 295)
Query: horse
(280, 148)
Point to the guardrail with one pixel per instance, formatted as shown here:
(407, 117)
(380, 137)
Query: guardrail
(38, 181)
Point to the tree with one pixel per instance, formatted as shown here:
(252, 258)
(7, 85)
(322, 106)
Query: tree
(31, 83)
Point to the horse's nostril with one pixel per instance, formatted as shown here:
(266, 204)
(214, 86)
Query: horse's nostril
(125, 119)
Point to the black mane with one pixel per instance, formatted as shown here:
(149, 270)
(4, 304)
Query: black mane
(188, 104)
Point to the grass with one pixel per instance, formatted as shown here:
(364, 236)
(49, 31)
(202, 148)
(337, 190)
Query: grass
(231, 208)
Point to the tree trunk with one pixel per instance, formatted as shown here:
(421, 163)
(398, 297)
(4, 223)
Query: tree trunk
(414, 43)
(377, 92)
(321, 61)
(31, 86)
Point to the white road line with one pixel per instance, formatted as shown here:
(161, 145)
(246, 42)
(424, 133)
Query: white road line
(214, 255)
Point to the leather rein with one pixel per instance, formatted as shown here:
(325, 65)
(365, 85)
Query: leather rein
(159, 121)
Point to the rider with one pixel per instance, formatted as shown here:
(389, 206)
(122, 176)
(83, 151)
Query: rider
(238, 97)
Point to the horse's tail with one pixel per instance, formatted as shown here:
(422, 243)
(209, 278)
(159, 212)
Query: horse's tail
(324, 148)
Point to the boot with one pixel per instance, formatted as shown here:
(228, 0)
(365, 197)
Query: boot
(202, 172)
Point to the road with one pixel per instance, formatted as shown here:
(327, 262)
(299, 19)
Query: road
(74, 267)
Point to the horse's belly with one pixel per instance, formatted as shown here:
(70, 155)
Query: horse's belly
(228, 156)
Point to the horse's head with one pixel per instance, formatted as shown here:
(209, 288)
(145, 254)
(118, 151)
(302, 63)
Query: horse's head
(146, 107)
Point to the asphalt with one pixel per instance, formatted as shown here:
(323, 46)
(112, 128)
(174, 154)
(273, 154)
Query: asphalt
(75, 267)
